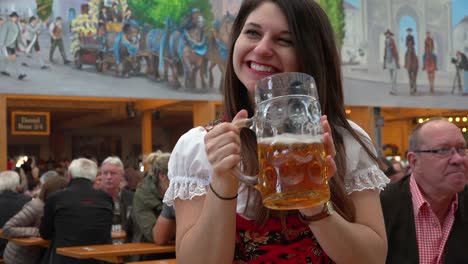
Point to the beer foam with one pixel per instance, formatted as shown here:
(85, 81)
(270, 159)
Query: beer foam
(288, 139)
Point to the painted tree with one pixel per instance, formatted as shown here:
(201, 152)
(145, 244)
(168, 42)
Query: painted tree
(335, 12)
(154, 12)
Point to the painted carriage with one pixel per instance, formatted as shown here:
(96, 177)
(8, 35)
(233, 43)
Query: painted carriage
(88, 52)
(184, 54)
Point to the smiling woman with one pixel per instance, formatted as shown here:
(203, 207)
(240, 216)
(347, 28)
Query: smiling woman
(264, 47)
(211, 202)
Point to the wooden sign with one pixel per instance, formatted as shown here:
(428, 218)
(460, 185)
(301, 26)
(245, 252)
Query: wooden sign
(30, 123)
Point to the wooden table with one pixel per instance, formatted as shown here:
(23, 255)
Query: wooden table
(161, 261)
(27, 241)
(39, 241)
(114, 253)
(30, 241)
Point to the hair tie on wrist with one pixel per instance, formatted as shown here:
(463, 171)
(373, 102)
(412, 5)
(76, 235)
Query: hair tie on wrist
(221, 197)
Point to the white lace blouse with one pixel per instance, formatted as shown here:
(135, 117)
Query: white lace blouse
(190, 171)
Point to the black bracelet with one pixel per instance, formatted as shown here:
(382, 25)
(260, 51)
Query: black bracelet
(221, 197)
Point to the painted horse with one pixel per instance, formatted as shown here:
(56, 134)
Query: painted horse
(192, 48)
(156, 42)
(411, 65)
(218, 40)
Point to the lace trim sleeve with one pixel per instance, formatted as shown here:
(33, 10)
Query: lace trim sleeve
(366, 179)
(189, 171)
(362, 171)
(184, 188)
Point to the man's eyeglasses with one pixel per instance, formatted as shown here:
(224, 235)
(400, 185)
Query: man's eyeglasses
(445, 152)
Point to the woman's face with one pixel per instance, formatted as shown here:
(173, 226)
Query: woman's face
(264, 46)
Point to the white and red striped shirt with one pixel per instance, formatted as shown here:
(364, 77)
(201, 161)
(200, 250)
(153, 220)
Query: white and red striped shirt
(431, 236)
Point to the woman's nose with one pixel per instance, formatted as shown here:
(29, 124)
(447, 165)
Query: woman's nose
(264, 47)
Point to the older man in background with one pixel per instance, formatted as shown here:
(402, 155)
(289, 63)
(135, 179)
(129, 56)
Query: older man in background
(11, 201)
(77, 215)
(426, 213)
(113, 182)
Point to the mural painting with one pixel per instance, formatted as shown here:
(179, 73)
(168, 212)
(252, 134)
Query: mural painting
(404, 52)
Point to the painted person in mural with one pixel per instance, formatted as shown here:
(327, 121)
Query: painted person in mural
(461, 64)
(11, 40)
(411, 61)
(429, 60)
(33, 30)
(116, 13)
(391, 60)
(104, 16)
(56, 40)
(212, 205)
(128, 15)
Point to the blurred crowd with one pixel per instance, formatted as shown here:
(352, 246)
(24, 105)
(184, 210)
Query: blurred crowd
(46, 198)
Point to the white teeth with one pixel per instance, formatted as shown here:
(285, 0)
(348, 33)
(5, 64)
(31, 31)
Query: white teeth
(262, 68)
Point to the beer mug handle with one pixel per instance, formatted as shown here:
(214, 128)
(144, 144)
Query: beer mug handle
(245, 122)
(248, 180)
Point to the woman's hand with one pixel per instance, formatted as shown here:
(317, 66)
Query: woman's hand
(329, 147)
(329, 161)
(222, 145)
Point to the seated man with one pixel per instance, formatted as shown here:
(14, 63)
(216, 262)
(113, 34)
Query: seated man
(426, 212)
(112, 179)
(165, 228)
(77, 215)
(147, 205)
(11, 201)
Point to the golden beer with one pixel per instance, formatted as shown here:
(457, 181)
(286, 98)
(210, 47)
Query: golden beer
(292, 171)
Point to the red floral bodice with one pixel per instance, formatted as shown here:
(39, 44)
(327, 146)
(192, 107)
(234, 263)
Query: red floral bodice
(272, 244)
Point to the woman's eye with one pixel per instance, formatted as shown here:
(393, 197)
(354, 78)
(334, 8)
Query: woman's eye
(251, 32)
(285, 42)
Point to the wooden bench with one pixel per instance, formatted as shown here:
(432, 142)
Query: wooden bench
(161, 261)
(114, 253)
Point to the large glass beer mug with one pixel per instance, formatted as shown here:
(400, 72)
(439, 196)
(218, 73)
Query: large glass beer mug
(291, 152)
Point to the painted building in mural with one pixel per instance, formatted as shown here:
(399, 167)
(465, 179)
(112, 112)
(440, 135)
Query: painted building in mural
(353, 44)
(220, 7)
(67, 9)
(22, 7)
(460, 36)
(434, 16)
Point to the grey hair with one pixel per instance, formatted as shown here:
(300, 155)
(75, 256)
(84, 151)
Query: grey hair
(114, 160)
(9, 180)
(47, 175)
(83, 168)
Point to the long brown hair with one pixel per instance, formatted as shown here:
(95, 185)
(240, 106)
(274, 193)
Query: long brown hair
(318, 56)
